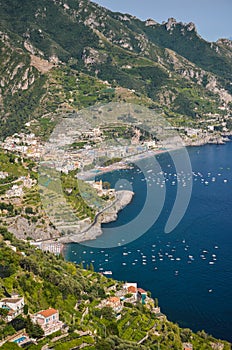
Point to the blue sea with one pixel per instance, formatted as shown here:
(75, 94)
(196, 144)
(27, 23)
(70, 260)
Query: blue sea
(189, 269)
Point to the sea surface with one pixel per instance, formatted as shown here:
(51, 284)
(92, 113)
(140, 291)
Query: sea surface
(190, 269)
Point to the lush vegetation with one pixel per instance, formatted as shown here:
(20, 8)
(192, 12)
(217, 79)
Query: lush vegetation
(117, 61)
(46, 281)
(121, 61)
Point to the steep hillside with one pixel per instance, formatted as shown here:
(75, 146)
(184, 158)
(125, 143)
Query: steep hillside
(47, 45)
(45, 280)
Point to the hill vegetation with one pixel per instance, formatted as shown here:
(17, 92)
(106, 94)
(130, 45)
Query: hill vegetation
(46, 281)
(57, 57)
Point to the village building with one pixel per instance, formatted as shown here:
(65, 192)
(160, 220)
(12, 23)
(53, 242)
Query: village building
(141, 295)
(48, 320)
(14, 305)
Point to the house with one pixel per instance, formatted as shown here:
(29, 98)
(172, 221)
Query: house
(113, 302)
(132, 290)
(187, 346)
(14, 305)
(141, 295)
(48, 320)
(130, 287)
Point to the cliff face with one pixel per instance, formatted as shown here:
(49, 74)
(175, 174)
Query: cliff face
(164, 65)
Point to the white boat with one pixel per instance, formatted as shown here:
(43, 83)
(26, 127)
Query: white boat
(107, 272)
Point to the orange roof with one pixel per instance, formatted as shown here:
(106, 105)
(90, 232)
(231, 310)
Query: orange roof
(142, 291)
(48, 312)
(132, 289)
(114, 299)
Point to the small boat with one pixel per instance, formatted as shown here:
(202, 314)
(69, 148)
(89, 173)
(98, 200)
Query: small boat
(106, 272)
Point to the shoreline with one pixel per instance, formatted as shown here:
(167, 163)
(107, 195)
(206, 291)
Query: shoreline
(106, 215)
(94, 230)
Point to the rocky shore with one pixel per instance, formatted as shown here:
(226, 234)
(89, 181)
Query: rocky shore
(108, 214)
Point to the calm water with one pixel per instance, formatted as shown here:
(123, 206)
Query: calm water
(189, 270)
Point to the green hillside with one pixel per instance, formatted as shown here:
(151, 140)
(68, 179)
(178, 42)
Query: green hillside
(48, 281)
(62, 56)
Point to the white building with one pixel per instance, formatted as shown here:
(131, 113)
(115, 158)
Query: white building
(14, 305)
(48, 320)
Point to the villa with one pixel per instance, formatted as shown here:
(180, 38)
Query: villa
(48, 320)
(14, 305)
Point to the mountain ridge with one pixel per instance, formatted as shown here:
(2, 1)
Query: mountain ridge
(157, 61)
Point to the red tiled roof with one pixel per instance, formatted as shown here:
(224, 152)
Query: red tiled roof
(48, 312)
(142, 291)
(132, 289)
(114, 299)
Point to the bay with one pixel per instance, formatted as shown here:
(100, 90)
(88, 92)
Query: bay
(190, 269)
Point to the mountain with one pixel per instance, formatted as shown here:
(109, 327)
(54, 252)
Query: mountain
(58, 56)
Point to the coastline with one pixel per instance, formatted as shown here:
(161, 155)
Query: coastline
(124, 198)
(93, 238)
(106, 215)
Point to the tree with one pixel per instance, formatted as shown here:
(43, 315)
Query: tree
(33, 330)
(107, 313)
(25, 309)
(29, 210)
(103, 345)
(185, 334)
(112, 328)
(3, 313)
